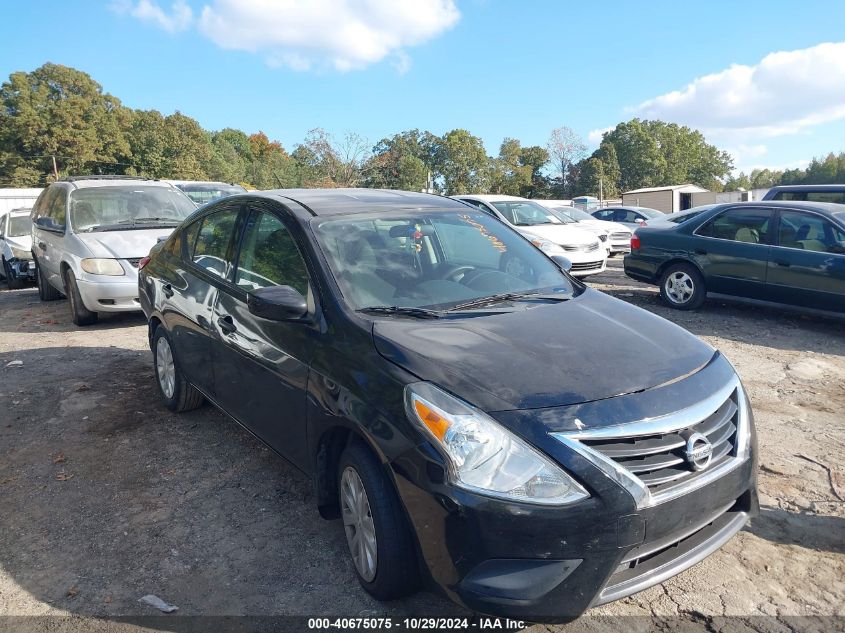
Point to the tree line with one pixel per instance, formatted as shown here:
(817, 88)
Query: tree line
(61, 114)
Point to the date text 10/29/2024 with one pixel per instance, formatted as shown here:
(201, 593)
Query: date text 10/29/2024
(415, 624)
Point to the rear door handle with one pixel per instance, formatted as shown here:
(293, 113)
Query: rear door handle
(226, 324)
(167, 289)
(782, 262)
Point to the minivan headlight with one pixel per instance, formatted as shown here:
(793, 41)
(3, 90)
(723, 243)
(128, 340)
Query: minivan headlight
(96, 266)
(485, 457)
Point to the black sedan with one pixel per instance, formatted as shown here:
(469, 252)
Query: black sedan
(458, 418)
(789, 253)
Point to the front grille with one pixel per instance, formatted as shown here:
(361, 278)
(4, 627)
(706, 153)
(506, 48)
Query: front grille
(620, 235)
(660, 460)
(134, 261)
(586, 266)
(581, 248)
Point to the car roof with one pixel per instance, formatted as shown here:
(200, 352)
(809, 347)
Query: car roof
(204, 182)
(353, 201)
(19, 211)
(833, 188)
(828, 208)
(493, 197)
(84, 182)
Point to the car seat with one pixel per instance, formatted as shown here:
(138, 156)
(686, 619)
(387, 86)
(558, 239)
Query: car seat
(747, 234)
(808, 237)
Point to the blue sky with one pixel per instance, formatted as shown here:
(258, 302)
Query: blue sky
(497, 68)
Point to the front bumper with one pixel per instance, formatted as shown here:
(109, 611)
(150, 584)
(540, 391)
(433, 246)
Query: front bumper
(110, 296)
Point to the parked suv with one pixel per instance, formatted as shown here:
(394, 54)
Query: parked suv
(88, 234)
(16, 247)
(459, 419)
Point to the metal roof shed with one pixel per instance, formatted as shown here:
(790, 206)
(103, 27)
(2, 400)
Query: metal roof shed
(668, 199)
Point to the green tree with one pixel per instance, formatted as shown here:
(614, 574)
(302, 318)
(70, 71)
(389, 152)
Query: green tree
(462, 163)
(62, 112)
(402, 161)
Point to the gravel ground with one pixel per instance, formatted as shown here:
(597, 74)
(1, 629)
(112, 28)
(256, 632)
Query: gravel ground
(106, 496)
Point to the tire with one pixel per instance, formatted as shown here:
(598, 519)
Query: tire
(682, 287)
(46, 292)
(81, 315)
(396, 573)
(11, 281)
(178, 394)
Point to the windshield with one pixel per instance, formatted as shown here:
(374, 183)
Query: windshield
(126, 207)
(562, 214)
(200, 193)
(576, 214)
(19, 225)
(525, 213)
(434, 260)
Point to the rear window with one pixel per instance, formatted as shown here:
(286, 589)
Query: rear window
(836, 197)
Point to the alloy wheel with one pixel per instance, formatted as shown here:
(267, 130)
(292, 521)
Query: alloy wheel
(679, 287)
(165, 368)
(358, 524)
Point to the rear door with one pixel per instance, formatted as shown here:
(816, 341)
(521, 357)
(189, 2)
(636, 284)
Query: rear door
(807, 264)
(261, 366)
(732, 250)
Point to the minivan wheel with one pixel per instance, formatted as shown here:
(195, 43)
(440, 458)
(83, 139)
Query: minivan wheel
(81, 315)
(178, 394)
(379, 538)
(46, 292)
(682, 287)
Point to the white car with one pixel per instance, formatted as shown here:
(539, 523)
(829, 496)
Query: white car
(90, 232)
(618, 235)
(545, 230)
(16, 247)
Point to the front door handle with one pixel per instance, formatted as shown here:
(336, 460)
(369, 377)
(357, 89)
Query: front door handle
(782, 262)
(227, 324)
(42, 246)
(167, 289)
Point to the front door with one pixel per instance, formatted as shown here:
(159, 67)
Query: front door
(261, 366)
(732, 251)
(49, 233)
(807, 264)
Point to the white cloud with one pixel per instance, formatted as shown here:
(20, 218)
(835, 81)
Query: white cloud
(595, 136)
(180, 17)
(343, 34)
(785, 93)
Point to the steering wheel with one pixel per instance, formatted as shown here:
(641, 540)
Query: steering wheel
(453, 271)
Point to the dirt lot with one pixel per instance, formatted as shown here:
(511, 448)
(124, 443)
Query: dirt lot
(105, 496)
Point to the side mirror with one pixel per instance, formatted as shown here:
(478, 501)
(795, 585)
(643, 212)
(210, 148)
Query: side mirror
(277, 303)
(563, 262)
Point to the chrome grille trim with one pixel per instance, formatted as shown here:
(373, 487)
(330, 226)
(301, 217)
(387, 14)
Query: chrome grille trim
(724, 459)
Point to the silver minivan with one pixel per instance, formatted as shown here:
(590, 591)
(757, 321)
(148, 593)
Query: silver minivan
(90, 232)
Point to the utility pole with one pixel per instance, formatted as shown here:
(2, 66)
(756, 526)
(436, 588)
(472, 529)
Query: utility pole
(601, 193)
(55, 169)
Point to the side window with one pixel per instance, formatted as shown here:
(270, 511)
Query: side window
(481, 206)
(809, 232)
(189, 238)
(269, 256)
(603, 215)
(3, 225)
(213, 247)
(58, 208)
(42, 205)
(740, 224)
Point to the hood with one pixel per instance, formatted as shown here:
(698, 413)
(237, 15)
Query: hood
(559, 233)
(611, 227)
(23, 242)
(589, 348)
(122, 244)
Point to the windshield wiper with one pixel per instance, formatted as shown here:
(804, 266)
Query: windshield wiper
(509, 296)
(167, 220)
(419, 313)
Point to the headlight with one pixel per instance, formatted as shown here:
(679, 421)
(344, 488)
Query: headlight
(110, 267)
(485, 457)
(20, 253)
(548, 247)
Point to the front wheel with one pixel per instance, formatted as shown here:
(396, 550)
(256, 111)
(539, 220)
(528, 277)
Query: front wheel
(682, 287)
(380, 541)
(80, 314)
(46, 292)
(179, 395)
